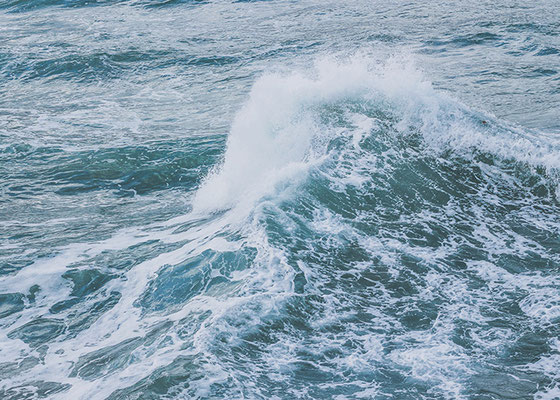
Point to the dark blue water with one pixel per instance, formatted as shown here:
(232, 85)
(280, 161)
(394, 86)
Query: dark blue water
(279, 200)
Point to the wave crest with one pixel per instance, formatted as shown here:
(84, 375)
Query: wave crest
(289, 120)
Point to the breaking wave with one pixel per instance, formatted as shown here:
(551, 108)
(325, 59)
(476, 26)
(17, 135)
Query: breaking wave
(363, 230)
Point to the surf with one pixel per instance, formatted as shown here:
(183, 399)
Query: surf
(361, 226)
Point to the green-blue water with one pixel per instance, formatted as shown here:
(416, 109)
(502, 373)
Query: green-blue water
(279, 199)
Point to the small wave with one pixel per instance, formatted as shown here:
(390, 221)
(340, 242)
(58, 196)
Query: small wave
(30, 5)
(102, 66)
(465, 41)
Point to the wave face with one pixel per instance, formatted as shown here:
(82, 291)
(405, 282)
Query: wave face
(358, 233)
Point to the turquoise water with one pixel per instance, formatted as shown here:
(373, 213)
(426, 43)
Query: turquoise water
(279, 200)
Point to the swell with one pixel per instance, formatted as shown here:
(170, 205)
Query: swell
(141, 169)
(97, 191)
(27, 6)
(103, 66)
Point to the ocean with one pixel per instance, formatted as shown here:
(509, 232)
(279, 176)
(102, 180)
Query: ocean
(279, 199)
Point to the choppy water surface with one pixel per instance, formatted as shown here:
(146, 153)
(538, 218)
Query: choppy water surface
(279, 200)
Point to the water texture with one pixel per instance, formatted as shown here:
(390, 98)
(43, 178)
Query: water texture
(279, 199)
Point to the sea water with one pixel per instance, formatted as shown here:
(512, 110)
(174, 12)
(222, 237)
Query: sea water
(279, 199)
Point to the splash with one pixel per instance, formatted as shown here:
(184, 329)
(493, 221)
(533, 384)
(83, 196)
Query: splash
(280, 132)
